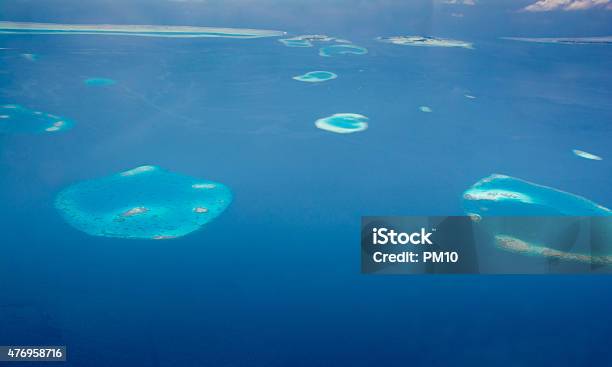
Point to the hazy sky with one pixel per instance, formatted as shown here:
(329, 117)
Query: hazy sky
(461, 18)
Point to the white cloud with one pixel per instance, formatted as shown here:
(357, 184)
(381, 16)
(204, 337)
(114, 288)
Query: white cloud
(460, 2)
(549, 5)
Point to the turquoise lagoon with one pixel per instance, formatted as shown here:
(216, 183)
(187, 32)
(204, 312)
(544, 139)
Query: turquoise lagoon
(306, 40)
(552, 234)
(344, 49)
(295, 42)
(343, 123)
(500, 195)
(146, 202)
(15, 118)
(316, 76)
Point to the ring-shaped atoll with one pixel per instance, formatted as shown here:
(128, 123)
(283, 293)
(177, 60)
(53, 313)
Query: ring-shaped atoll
(344, 49)
(500, 195)
(145, 202)
(316, 76)
(17, 119)
(343, 123)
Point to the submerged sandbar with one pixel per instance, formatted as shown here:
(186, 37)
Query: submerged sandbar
(343, 49)
(424, 41)
(605, 40)
(516, 245)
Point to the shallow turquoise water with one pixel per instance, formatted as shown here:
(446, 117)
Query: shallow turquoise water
(344, 49)
(146, 202)
(343, 123)
(99, 82)
(499, 195)
(296, 43)
(19, 119)
(316, 76)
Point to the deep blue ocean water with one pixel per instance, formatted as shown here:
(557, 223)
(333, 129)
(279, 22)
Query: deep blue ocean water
(275, 280)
